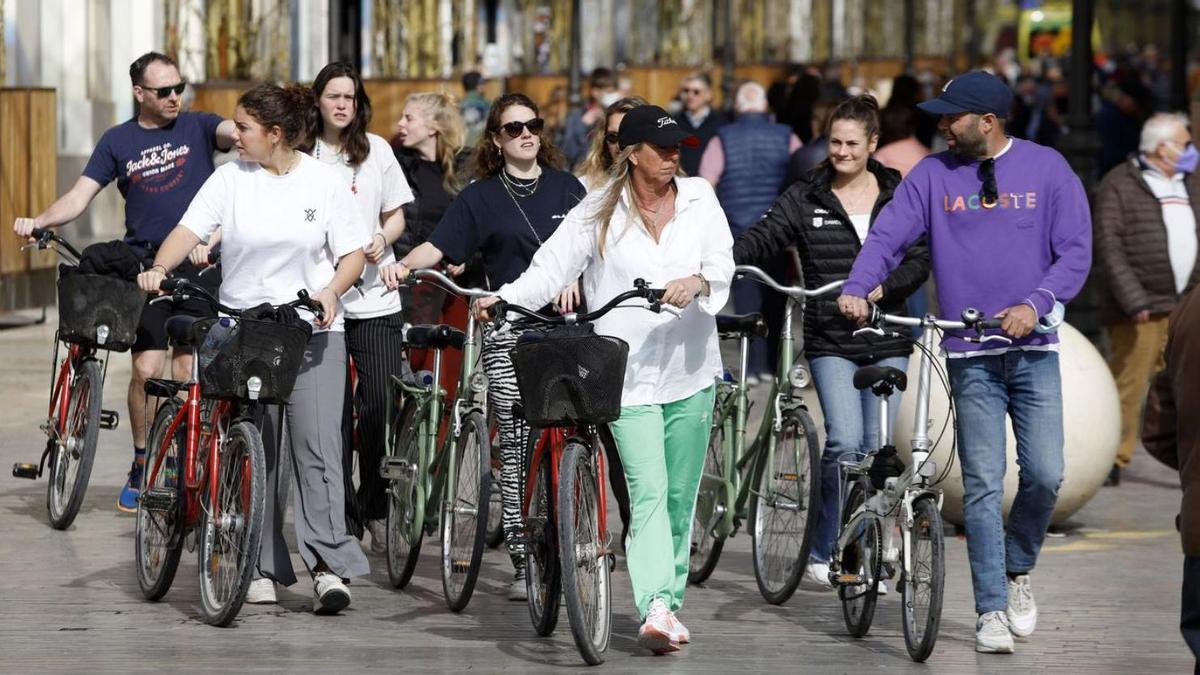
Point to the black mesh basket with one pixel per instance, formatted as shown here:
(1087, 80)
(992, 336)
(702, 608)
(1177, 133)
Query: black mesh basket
(271, 351)
(570, 379)
(88, 301)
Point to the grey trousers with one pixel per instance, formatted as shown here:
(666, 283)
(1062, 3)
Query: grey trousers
(313, 447)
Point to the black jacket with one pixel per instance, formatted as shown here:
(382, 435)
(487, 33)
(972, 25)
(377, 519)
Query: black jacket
(809, 216)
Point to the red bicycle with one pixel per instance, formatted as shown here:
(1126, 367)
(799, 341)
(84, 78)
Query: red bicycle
(95, 313)
(211, 441)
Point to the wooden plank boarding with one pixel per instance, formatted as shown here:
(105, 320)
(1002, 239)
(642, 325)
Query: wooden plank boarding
(14, 176)
(43, 162)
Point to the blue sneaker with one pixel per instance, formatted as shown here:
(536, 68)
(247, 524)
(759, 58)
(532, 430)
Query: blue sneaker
(127, 501)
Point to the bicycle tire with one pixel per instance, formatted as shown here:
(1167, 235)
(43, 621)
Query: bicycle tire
(861, 554)
(796, 470)
(158, 543)
(222, 595)
(587, 587)
(926, 536)
(706, 547)
(543, 574)
(406, 512)
(465, 515)
(495, 521)
(71, 462)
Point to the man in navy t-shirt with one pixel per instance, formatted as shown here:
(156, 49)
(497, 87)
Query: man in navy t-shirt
(160, 158)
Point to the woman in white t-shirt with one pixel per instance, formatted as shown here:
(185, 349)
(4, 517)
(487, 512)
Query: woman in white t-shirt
(288, 223)
(374, 325)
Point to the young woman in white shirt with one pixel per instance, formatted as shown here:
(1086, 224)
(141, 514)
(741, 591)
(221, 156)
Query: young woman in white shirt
(374, 325)
(288, 222)
(653, 224)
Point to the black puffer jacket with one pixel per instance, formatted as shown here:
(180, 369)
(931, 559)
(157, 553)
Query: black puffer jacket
(809, 216)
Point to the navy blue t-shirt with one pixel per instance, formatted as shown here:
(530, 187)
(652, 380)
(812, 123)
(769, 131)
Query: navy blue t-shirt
(158, 171)
(485, 219)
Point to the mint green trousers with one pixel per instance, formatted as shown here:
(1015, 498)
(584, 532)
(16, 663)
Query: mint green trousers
(662, 447)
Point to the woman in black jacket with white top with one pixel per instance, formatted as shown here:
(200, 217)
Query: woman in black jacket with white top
(827, 215)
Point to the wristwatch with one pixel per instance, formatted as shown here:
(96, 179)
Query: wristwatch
(705, 288)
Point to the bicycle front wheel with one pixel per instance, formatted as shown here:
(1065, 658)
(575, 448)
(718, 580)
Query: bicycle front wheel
(465, 515)
(860, 558)
(923, 582)
(406, 501)
(710, 508)
(543, 576)
(71, 460)
(785, 508)
(585, 574)
(231, 528)
(158, 538)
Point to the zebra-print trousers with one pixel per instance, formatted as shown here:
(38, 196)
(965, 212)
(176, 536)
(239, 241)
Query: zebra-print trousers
(513, 431)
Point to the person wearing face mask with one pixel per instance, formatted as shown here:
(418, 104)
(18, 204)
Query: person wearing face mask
(520, 198)
(581, 125)
(1010, 234)
(1146, 216)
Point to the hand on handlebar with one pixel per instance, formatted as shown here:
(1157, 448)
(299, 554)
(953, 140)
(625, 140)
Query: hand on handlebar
(854, 308)
(24, 227)
(568, 298)
(151, 280)
(483, 305)
(681, 292)
(1019, 320)
(199, 255)
(329, 304)
(393, 275)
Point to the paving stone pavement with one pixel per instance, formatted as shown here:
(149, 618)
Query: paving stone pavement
(1108, 593)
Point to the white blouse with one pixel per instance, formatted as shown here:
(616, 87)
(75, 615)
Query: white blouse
(669, 358)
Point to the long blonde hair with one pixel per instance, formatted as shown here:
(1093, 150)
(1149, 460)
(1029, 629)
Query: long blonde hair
(594, 168)
(443, 112)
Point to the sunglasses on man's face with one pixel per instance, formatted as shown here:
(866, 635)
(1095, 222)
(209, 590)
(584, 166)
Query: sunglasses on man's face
(163, 92)
(515, 129)
(693, 92)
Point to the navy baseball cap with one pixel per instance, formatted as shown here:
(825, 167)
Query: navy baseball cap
(977, 92)
(650, 123)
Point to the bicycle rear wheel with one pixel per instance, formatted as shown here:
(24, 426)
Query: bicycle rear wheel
(406, 502)
(710, 508)
(860, 557)
(543, 577)
(465, 518)
(784, 508)
(924, 581)
(71, 460)
(585, 573)
(231, 529)
(158, 538)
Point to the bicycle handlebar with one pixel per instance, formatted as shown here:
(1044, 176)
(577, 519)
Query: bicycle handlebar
(182, 289)
(793, 291)
(972, 319)
(45, 237)
(448, 283)
(641, 290)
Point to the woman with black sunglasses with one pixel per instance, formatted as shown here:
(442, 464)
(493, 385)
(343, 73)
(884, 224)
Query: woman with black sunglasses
(518, 201)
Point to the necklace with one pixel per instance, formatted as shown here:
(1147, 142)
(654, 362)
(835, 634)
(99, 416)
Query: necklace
(851, 202)
(516, 186)
(338, 155)
(511, 195)
(654, 212)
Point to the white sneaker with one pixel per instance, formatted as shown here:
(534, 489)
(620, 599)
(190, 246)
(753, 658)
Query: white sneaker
(330, 594)
(679, 632)
(261, 592)
(816, 577)
(992, 635)
(378, 530)
(1022, 610)
(883, 588)
(655, 633)
(517, 590)
(753, 380)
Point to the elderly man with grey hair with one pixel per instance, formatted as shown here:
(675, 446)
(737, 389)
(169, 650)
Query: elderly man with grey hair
(747, 163)
(1146, 217)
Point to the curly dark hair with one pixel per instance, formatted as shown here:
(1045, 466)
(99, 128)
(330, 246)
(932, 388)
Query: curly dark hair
(488, 159)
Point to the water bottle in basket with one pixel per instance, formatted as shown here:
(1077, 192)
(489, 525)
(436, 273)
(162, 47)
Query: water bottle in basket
(218, 334)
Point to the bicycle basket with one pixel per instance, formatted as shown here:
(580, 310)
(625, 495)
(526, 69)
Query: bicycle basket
(271, 351)
(568, 379)
(88, 302)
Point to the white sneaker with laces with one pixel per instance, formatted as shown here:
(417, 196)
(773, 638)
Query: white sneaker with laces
(655, 633)
(261, 592)
(378, 530)
(330, 594)
(1022, 610)
(516, 589)
(679, 632)
(816, 577)
(992, 635)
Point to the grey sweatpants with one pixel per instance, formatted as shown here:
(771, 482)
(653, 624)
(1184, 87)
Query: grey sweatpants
(314, 449)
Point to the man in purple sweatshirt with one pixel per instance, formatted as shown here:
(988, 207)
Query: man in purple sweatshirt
(1010, 234)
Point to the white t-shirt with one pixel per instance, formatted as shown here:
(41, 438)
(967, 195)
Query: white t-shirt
(279, 234)
(861, 223)
(380, 186)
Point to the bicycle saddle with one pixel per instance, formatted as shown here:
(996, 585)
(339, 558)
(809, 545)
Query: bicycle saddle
(438, 336)
(750, 325)
(179, 331)
(880, 379)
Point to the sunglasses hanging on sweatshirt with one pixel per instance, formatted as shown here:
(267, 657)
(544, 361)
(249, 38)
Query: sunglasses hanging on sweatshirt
(989, 193)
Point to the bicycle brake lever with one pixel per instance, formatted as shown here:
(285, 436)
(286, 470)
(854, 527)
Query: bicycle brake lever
(670, 309)
(989, 338)
(870, 329)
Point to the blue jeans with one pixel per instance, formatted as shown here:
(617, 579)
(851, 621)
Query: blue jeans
(747, 298)
(1026, 385)
(851, 426)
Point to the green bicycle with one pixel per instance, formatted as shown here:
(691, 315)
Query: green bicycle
(438, 465)
(777, 478)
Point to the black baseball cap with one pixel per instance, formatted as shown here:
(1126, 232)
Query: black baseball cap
(977, 92)
(652, 124)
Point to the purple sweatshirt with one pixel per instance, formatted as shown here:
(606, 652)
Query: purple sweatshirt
(1034, 246)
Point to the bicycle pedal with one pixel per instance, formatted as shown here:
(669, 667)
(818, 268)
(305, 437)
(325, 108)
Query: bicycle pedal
(159, 499)
(30, 471)
(848, 579)
(396, 468)
(109, 419)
